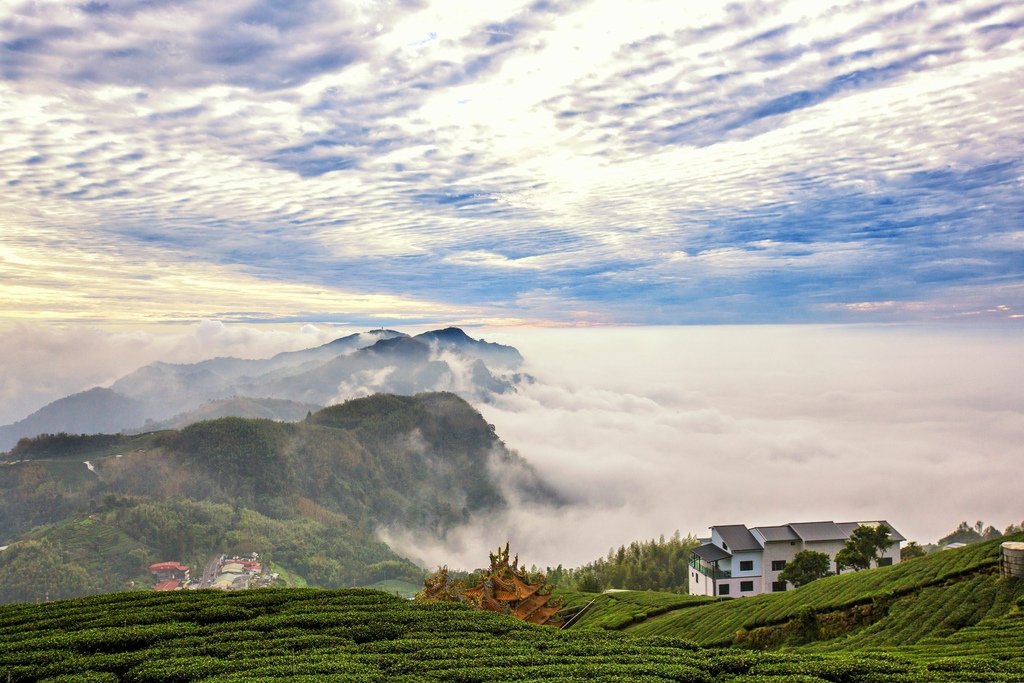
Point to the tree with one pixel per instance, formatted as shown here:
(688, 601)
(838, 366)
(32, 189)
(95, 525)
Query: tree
(806, 566)
(864, 546)
(910, 551)
(965, 533)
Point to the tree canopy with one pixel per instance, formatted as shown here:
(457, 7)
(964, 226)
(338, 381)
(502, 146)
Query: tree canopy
(865, 545)
(806, 566)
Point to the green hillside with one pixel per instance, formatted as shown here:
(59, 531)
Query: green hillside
(616, 610)
(934, 597)
(309, 496)
(360, 635)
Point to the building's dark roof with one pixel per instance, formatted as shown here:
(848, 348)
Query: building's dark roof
(777, 533)
(819, 531)
(737, 537)
(847, 527)
(895, 535)
(709, 552)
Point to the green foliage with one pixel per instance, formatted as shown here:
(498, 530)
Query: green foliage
(911, 550)
(806, 566)
(965, 533)
(308, 495)
(34, 571)
(864, 546)
(64, 445)
(619, 609)
(718, 624)
(357, 635)
(655, 565)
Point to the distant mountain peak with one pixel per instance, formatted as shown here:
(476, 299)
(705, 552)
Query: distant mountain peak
(489, 352)
(404, 345)
(372, 361)
(448, 333)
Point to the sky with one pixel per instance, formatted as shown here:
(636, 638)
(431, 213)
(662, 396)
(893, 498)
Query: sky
(769, 254)
(545, 163)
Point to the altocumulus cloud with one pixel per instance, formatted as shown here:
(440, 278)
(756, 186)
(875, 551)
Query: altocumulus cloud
(784, 162)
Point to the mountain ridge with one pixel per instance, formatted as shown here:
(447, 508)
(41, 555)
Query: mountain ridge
(361, 363)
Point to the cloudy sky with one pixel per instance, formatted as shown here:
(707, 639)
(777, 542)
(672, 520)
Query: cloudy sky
(183, 179)
(508, 162)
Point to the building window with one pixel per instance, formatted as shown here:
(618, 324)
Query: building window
(746, 565)
(792, 542)
(778, 586)
(723, 589)
(778, 565)
(746, 586)
(884, 561)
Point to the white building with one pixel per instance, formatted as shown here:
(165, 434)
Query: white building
(737, 561)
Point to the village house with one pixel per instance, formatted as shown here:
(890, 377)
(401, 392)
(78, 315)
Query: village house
(737, 561)
(169, 575)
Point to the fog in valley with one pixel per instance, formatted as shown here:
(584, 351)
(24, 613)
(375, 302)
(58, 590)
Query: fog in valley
(645, 431)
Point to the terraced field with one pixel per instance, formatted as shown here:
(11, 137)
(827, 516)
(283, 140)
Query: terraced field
(617, 610)
(866, 597)
(361, 635)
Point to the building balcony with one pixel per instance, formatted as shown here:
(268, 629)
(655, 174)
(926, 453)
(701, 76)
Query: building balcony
(709, 571)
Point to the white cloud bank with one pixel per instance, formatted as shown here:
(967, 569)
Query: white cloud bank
(656, 429)
(649, 430)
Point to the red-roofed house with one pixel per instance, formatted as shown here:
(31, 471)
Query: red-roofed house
(167, 571)
(252, 566)
(169, 585)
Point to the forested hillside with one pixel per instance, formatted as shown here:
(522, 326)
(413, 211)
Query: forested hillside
(309, 494)
(658, 565)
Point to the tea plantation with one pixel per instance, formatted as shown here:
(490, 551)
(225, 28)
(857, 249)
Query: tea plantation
(362, 635)
(932, 595)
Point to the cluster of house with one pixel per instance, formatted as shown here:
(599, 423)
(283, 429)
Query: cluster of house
(237, 573)
(224, 573)
(739, 561)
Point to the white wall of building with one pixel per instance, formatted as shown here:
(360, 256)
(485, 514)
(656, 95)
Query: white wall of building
(700, 584)
(777, 551)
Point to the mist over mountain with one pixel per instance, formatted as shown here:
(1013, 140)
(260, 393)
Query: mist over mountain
(312, 494)
(87, 412)
(379, 361)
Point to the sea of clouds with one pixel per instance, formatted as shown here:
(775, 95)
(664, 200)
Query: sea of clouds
(649, 430)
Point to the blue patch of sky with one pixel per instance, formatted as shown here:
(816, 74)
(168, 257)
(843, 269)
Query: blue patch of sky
(503, 32)
(771, 34)
(851, 80)
(315, 158)
(282, 14)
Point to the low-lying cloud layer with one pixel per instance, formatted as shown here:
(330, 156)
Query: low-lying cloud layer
(649, 430)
